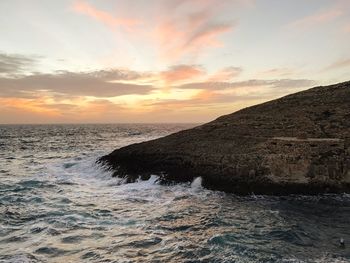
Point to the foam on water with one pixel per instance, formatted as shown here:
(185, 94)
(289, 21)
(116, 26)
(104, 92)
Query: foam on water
(197, 183)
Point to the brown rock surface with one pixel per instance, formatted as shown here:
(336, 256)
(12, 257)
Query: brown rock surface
(296, 144)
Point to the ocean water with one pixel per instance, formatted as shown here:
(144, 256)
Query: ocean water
(57, 205)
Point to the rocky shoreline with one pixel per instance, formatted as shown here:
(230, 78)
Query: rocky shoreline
(298, 144)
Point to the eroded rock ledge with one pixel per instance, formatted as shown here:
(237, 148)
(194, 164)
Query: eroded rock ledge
(296, 144)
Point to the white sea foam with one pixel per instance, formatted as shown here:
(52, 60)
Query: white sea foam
(197, 183)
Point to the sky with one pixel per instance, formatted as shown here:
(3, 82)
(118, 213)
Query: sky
(161, 61)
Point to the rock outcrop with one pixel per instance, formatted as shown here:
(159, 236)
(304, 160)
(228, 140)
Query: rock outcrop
(296, 144)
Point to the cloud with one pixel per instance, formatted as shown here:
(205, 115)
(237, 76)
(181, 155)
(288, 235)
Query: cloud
(277, 72)
(213, 101)
(15, 64)
(279, 83)
(85, 8)
(42, 110)
(36, 106)
(225, 74)
(347, 28)
(342, 63)
(205, 99)
(108, 82)
(98, 84)
(119, 94)
(322, 16)
(207, 35)
(113, 74)
(176, 29)
(181, 73)
(183, 33)
(317, 19)
(242, 91)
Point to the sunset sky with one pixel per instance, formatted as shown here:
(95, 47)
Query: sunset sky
(105, 61)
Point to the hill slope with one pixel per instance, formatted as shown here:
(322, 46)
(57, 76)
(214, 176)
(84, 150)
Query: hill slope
(296, 144)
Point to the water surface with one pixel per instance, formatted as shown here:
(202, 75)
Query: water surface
(57, 205)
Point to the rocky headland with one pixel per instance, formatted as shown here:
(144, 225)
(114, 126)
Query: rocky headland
(298, 144)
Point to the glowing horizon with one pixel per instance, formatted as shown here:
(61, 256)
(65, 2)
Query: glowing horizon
(85, 61)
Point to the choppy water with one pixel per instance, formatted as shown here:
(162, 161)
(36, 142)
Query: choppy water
(56, 205)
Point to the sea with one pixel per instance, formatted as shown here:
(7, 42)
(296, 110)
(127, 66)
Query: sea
(58, 205)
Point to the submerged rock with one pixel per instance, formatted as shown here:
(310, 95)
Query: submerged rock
(296, 144)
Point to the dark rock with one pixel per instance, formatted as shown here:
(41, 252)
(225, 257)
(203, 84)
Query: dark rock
(296, 144)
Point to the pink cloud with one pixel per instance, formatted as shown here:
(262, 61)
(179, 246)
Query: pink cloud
(317, 19)
(85, 8)
(347, 28)
(180, 73)
(322, 16)
(342, 63)
(190, 32)
(179, 28)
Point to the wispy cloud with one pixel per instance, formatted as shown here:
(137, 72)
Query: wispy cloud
(277, 72)
(274, 83)
(320, 17)
(105, 17)
(342, 63)
(182, 33)
(317, 19)
(225, 74)
(233, 95)
(11, 64)
(346, 28)
(179, 29)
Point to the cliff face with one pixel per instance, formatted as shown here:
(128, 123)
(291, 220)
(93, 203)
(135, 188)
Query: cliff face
(296, 144)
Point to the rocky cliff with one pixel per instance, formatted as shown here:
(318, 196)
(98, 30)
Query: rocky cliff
(296, 144)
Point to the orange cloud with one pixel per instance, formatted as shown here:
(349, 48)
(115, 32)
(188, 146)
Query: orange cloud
(84, 8)
(36, 106)
(48, 110)
(226, 74)
(208, 98)
(204, 95)
(180, 73)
